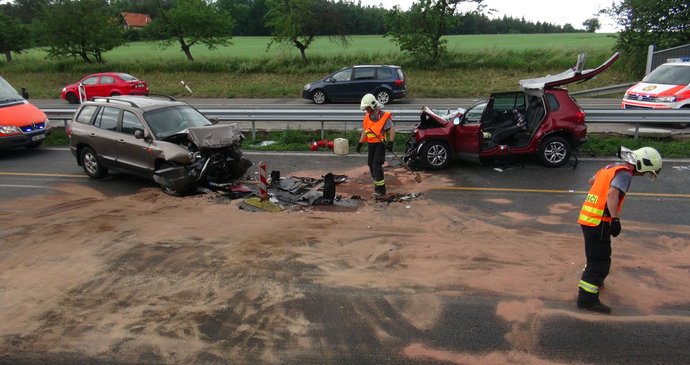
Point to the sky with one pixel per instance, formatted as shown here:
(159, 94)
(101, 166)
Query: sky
(557, 12)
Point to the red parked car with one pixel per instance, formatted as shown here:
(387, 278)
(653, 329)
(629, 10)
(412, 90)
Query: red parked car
(540, 119)
(104, 84)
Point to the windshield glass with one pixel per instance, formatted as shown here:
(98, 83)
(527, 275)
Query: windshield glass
(169, 121)
(670, 75)
(7, 93)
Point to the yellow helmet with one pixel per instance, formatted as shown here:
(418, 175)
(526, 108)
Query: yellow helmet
(369, 100)
(645, 159)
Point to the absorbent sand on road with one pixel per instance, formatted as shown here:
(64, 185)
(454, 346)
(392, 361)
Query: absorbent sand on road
(150, 278)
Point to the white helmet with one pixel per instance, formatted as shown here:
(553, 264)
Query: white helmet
(645, 159)
(369, 100)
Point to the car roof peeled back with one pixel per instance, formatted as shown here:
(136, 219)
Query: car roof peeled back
(577, 73)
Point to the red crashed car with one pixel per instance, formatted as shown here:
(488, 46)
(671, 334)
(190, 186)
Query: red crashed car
(104, 84)
(540, 119)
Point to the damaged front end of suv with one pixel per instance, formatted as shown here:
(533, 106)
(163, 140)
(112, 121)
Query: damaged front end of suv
(207, 156)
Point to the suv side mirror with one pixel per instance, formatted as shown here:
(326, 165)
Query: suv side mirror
(139, 134)
(214, 120)
(456, 121)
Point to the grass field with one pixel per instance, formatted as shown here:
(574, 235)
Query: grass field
(478, 65)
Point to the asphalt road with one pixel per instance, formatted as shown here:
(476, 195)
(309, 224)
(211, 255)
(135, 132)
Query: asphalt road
(471, 324)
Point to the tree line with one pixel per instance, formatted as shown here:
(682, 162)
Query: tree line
(86, 29)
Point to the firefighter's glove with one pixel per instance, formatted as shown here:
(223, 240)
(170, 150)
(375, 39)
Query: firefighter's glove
(359, 147)
(389, 146)
(615, 227)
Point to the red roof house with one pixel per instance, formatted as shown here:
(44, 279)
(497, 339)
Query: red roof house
(136, 20)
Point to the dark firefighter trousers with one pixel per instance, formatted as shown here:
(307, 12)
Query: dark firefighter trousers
(598, 253)
(375, 160)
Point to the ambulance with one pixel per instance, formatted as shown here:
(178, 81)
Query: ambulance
(21, 123)
(666, 87)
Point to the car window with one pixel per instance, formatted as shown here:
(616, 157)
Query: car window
(169, 121)
(130, 123)
(90, 80)
(86, 114)
(365, 73)
(553, 103)
(384, 73)
(670, 75)
(107, 118)
(507, 102)
(401, 75)
(474, 113)
(127, 77)
(107, 80)
(343, 75)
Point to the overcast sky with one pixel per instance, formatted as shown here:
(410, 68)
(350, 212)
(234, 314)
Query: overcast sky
(557, 12)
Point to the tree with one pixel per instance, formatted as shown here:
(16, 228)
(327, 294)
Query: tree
(299, 22)
(191, 22)
(591, 25)
(664, 23)
(80, 28)
(419, 31)
(14, 36)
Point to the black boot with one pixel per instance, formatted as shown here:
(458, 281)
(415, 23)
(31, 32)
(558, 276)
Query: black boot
(589, 301)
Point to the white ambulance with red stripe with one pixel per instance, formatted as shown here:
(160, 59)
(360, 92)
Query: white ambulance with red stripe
(666, 87)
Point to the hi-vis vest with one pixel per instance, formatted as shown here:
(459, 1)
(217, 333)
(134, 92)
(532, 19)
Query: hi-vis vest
(375, 127)
(592, 212)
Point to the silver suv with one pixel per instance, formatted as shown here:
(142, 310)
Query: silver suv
(159, 138)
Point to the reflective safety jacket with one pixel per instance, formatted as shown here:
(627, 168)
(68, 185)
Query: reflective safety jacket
(376, 127)
(592, 212)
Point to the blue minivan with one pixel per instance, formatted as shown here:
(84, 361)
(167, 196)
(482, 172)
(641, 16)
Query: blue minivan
(386, 82)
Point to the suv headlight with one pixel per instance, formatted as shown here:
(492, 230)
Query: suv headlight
(666, 99)
(307, 87)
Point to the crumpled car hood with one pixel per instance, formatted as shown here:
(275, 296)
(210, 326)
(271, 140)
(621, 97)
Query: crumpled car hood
(215, 136)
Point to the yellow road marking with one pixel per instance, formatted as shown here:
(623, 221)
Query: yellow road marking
(40, 174)
(551, 191)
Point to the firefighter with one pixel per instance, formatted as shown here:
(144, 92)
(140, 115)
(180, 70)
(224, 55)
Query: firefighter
(375, 126)
(600, 218)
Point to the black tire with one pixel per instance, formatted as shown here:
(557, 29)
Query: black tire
(91, 163)
(173, 191)
(434, 155)
(318, 97)
(72, 98)
(383, 96)
(34, 145)
(554, 151)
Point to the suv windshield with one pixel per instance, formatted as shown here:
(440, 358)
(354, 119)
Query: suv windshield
(670, 75)
(169, 121)
(7, 93)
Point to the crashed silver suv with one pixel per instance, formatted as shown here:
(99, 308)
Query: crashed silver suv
(159, 138)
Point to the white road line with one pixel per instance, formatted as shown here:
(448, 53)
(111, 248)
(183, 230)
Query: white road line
(24, 186)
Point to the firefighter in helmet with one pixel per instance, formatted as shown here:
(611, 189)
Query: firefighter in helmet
(600, 218)
(378, 132)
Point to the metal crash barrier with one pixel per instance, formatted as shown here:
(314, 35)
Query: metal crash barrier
(405, 119)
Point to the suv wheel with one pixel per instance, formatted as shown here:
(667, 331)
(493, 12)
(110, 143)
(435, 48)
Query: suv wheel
(92, 163)
(434, 155)
(171, 190)
(383, 96)
(318, 96)
(554, 151)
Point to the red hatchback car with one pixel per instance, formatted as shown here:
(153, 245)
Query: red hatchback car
(540, 119)
(104, 84)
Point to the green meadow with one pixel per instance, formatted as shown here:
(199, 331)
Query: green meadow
(248, 68)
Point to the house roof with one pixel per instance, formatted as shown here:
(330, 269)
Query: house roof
(136, 19)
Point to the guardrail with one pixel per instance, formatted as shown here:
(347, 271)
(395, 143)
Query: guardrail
(404, 118)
